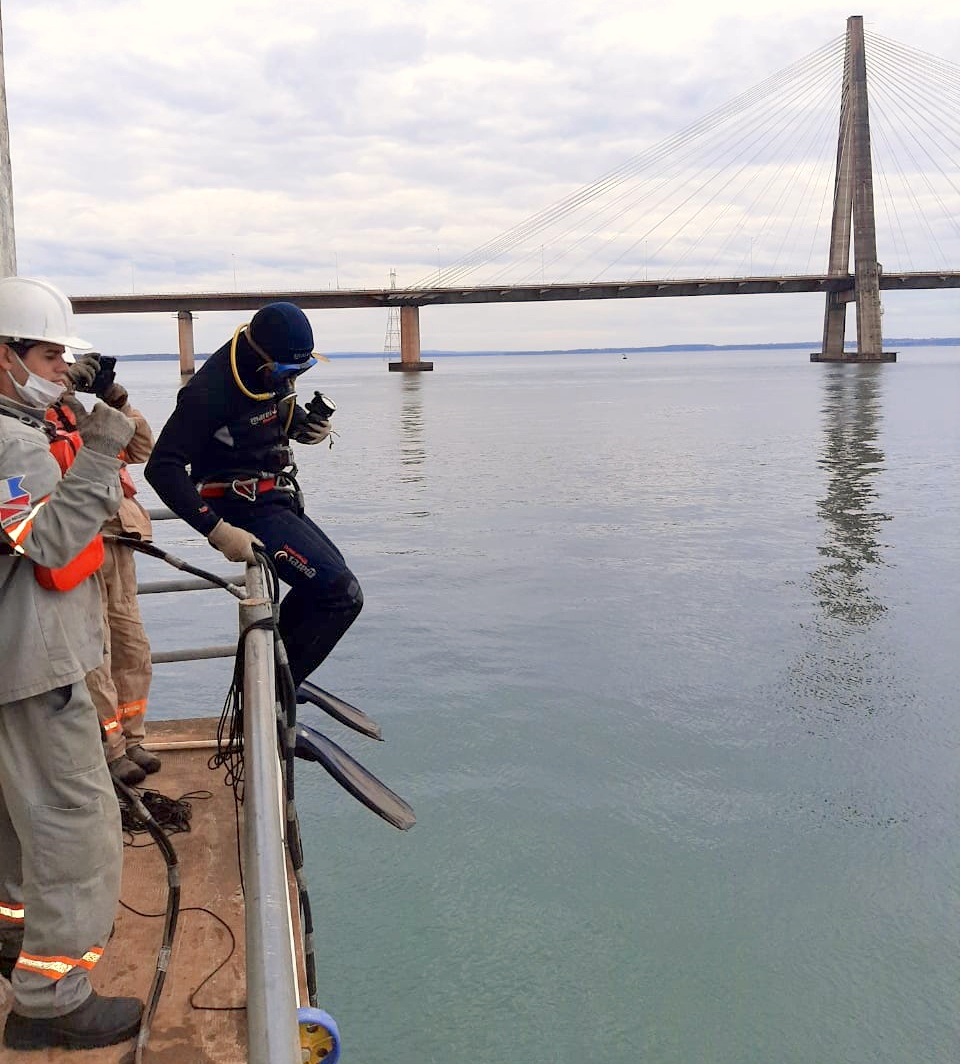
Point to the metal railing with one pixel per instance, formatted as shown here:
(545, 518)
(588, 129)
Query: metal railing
(162, 587)
(272, 989)
(271, 966)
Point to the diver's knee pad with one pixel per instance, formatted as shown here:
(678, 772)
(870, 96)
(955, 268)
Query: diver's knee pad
(346, 594)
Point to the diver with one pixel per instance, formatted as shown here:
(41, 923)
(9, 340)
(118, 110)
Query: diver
(224, 464)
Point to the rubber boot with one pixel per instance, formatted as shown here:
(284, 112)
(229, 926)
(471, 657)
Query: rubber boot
(146, 759)
(99, 1021)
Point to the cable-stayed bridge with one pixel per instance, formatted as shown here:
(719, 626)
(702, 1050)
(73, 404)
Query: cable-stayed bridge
(801, 184)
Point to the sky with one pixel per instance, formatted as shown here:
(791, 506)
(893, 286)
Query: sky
(220, 145)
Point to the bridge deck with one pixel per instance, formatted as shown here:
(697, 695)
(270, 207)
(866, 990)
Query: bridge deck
(505, 293)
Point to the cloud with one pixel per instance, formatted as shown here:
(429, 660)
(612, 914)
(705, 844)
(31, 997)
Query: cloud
(167, 146)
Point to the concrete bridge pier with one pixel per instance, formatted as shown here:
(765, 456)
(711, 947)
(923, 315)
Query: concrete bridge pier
(185, 332)
(854, 220)
(410, 360)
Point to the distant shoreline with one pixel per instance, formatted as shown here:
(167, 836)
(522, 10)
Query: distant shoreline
(812, 345)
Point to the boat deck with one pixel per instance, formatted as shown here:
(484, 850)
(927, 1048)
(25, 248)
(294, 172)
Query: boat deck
(212, 1029)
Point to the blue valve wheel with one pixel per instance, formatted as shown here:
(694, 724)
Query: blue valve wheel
(319, 1037)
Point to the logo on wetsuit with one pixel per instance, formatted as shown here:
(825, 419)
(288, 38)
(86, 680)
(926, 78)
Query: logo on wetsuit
(295, 560)
(265, 417)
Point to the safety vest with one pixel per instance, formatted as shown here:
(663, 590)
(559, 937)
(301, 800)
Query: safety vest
(63, 447)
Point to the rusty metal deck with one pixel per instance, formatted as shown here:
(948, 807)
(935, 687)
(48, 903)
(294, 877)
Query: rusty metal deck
(214, 1029)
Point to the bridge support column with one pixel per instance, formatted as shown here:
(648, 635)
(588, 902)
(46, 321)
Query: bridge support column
(185, 331)
(410, 360)
(853, 209)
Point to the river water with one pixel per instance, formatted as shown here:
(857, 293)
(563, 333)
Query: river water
(666, 651)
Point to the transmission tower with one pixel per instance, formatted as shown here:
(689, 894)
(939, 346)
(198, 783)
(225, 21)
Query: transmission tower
(391, 345)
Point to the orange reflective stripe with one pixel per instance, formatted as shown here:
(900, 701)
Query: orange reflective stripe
(86, 562)
(126, 710)
(57, 967)
(11, 912)
(111, 725)
(18, 533)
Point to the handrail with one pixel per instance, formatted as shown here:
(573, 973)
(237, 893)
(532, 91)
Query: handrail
(163, 657)
(159, 587)
(271, 967)
(272, 986)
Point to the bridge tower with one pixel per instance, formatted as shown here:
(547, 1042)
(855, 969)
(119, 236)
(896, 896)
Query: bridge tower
(853, 215)
(8, 246)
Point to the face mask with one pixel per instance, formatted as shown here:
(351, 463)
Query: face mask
(280, 374)
(38, 391)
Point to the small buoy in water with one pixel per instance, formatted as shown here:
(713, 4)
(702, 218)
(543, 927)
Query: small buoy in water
(319, 1037)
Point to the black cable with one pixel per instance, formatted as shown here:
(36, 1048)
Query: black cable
(145, 546)
(229, 754)
(206, 979)
(172, 911)
(171, 814)
(287, 729)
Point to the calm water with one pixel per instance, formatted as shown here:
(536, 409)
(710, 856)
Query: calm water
(666, 650)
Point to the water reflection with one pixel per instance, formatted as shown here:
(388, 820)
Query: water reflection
(851, 519)
(413, 451)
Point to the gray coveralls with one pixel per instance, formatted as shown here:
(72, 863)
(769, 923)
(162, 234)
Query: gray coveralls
(60, 836)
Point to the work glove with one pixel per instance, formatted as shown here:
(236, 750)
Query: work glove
(115, 396)
(314, 432)
(82, 372)
(235, 544)
(106, 430)
(73, 404)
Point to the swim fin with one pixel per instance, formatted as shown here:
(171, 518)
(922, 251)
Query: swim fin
(312, 745)
(338, 709)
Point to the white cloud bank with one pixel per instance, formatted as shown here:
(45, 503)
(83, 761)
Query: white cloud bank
(159, 145)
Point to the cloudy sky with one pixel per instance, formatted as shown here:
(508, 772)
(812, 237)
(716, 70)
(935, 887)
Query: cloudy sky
(161, 145)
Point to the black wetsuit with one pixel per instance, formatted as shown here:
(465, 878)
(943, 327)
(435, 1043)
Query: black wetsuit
(216, 434)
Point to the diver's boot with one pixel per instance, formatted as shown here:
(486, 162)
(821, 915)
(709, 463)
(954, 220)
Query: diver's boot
(146, 759)
(99, 1021)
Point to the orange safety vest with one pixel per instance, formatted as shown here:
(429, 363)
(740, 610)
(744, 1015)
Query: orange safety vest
(63, 447)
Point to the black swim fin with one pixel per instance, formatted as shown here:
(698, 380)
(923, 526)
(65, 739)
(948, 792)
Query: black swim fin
(312, 745)
(338, 709)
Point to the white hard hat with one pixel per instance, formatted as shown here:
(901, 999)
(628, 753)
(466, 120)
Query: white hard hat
(35, 310)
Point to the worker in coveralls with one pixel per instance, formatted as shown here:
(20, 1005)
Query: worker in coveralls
(60, 834)
(223, 463)
(120, 685)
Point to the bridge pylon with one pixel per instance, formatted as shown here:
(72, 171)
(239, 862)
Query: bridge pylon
(854, 217)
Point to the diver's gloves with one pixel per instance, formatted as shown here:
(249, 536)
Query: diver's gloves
(235, 544)
(314, 432)
(83, 372)
(106, 430)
